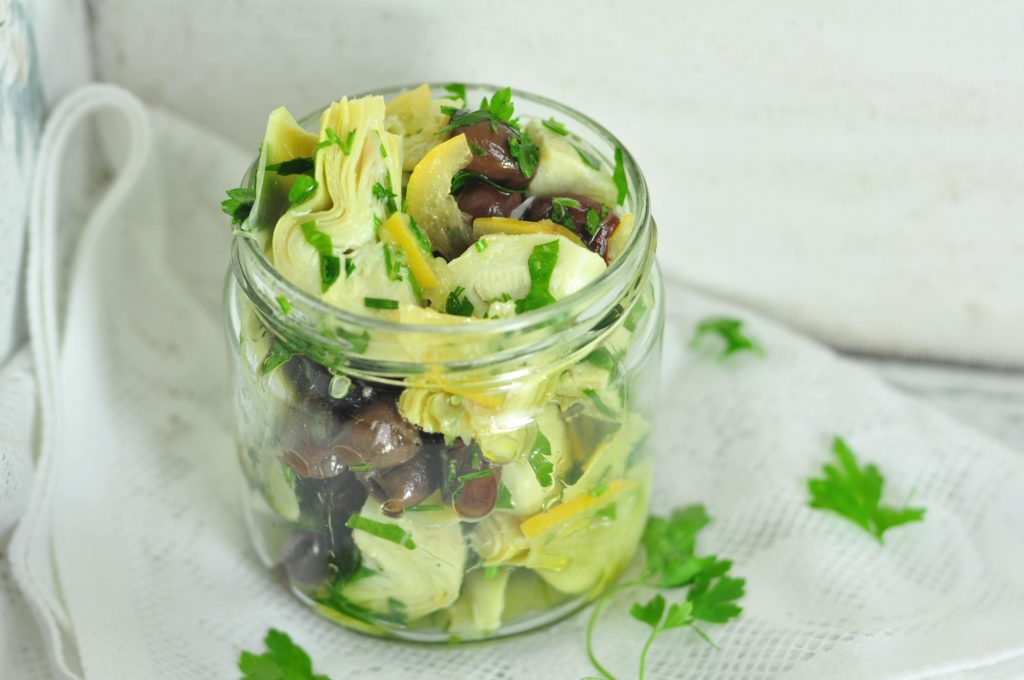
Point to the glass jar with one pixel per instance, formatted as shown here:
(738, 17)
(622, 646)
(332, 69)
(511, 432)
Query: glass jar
(523, 491)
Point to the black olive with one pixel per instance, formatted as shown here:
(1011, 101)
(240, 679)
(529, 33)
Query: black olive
(306, 557)
(491, 156)
(332, 497)
(404, 485)
(482, 200)
(379, 437)
(469, 481)
(312, 382)
(575, 219)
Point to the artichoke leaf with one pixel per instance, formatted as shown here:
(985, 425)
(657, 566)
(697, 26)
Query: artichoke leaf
(561, 171)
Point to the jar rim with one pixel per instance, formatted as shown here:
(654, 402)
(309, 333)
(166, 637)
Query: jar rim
(632, 266)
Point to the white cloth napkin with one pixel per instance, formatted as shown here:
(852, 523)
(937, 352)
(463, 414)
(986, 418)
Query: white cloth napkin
(135, 488)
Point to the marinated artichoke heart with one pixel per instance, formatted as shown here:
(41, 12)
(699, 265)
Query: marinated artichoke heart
(344, 204)
(480, 608)
(416, 117)
(424, 579)
(561, 171)
(284, 140)
(500, 272)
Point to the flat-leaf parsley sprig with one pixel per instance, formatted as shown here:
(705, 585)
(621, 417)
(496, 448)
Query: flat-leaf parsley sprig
(672, 564)
(283, 660)
(855, 493)
(730, 330)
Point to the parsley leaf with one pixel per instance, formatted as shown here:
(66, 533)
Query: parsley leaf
(379, 303)
(555, 126)
(330, 264)
(303, 187)
(588, 159)
(855, 493)
(457, 91)
(593, 222)
(238, 204)
(501, 106)
(461, 119)
(295, 166)
(389, 532)
(333, 138)
(463, 177)
(541, 264)
(540, 460)
(504, 498)
(458, 304)
(731, 331)
(283, 660)
(525, 152)
(619, 177)
(384, 192)
(711, 596)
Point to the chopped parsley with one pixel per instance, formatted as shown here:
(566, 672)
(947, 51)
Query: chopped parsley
(296, 166)
(491, 572)
(350, 266)
(364, 467)
(333, 138)
(383, 151)
(303, 187)
(560, 215)
(330, 264)
(479, 474)
(730, 330)
(425, 507)
(476, 149)
(607, 512)
(458, 304)
(525, 152)
(276, 355)
(384, 192)
(541, 264)
(501, 107)
(635, 314)
(420, 237)
(599, 404)
(565, 202)
(593, 222)
(457, 91)
(392, 263)
(540, 460)
(284, 304)
(463, 177)
(855, 493)
(380, 303)
(461, 119)
(504, 501)
(238, 204)
(555, 126)
(283, 660)
(389, 532)
(480, 245)
(619, 177)
(587, 159)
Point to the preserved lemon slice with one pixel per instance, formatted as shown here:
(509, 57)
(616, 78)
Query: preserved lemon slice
(620, 237)
(402, 232)
(484, 226)
(429, 195)
(560, 514)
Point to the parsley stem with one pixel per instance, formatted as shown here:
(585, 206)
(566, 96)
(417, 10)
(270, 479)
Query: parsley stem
(599, 606)
(643, 654)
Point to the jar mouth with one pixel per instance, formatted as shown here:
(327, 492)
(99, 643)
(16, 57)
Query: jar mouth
(263, 283)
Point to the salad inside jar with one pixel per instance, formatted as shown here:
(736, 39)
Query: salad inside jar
(437, 504)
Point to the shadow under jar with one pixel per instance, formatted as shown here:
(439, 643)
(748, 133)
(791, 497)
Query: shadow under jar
(522, 491)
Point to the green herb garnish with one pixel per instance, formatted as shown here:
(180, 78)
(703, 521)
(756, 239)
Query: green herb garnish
(461, 119)
(350, 266)
(541, 264)
(731, 331)
(476, 149)
(303, 187)
(855, 493)
(458, 304)
(330, 264)
(501, 106)
(504, 501)
(480, 245)
(363, 467)
(555, 126)
(476, 475)
(712, 595)
(599, 404)
(587, 159)
(635, 314)
(284, 304)
(421, 239)
(379, 303)
(295, 166)
(490, 573)
(276, 355)
(540, 459)
(607, 512)
(566, 202)
(593, 222)
(619, 177)
(389, 532)
(333, 138)
(392, 263)
(525, 152)
(283, 660)
(238, 204)
(383, 151)
(457, 91)
(560, 215)
(425, 507)
(384, 192)
(463, 177)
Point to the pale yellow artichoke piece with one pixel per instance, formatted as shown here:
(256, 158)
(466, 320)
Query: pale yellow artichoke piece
(560, 170)
(479, 610)
(529, 496)
(416, 117)
(365, 275)
(498, 540)
(501, 270)
(283, 140)
(344, 205)
(429, 199)
(609, 459)
(424, 579)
